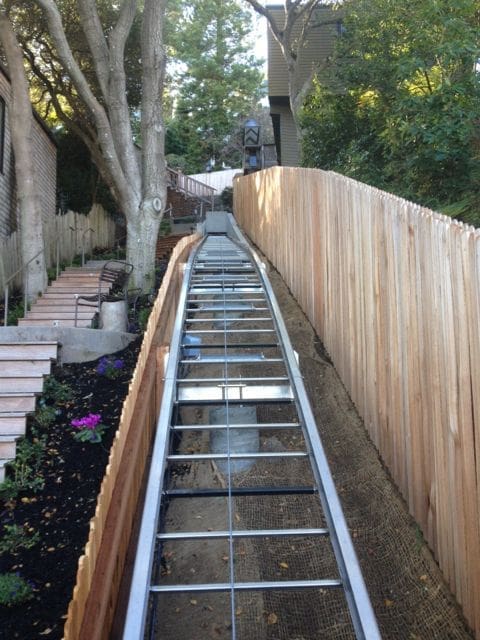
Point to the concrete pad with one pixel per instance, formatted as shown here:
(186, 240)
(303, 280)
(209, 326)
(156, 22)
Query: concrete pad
(75, 344)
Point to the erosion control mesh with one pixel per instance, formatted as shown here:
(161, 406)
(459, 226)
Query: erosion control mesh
(408, 594)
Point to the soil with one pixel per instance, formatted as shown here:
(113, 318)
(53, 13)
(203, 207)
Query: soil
(409, 596)
(61, 511)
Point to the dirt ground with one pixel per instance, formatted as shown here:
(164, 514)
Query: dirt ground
(408, 594)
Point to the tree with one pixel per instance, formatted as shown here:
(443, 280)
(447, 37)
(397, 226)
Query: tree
(21, 123)
(292, 35)
(404, 115)
(219, 80)
(93, 71)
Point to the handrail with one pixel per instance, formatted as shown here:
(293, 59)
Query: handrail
(25, 283)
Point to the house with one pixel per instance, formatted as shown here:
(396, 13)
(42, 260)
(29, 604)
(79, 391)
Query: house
(318, 47)
(45, 153)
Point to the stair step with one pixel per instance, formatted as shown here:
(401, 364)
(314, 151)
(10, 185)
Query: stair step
(27, 384)
(17, 402)
(13, 423)
(28, 350)
(50, 316)
(8, 445)
(26, 322)
(53, 306)
(65, 287)
(21, 368)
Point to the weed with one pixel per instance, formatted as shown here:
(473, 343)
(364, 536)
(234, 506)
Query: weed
(15, 538)
(14, 589)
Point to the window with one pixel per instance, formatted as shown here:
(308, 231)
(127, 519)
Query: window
(2, 132)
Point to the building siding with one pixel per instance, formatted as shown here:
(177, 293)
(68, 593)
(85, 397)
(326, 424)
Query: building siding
(289, 147)
(45, 158)
(318, 47)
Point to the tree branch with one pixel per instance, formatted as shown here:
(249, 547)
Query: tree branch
(98, 113)
(92, 28)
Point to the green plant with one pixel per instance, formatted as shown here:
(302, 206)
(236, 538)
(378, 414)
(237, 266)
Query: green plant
(45, 415)
(143, 316)
(14, 589)
(56, 392)
(15, 313)
(89, 428)
(15, 537)
(25, 468)
(165, 227)
(110, 367)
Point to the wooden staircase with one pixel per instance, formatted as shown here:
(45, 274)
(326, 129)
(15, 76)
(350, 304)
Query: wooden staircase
(23, 366)
(165, 244)
(56, 307)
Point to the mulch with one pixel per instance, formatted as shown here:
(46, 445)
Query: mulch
(61, 512)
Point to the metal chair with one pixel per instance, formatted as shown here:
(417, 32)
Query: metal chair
(114, 273)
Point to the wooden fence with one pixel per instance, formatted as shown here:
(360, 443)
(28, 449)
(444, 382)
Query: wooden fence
(72, 231)
(100, 569)
(393, 291)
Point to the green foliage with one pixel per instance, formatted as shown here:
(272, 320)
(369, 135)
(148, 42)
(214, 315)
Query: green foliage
(165, 228)
(56, 392)
(78, 181)
(26, 468)
(14, 589)
(16, 312)
(401, 110)
(45, 415)
(14, 538)
(143, 316)
(227, 198)
(219, 82)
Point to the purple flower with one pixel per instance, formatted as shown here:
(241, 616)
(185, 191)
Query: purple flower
(118, 364)
(87, 422)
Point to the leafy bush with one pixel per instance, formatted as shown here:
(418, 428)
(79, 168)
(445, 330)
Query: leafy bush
(45, 415)
(14, 589)
(15, 537)
(25, 469)
(56, 392)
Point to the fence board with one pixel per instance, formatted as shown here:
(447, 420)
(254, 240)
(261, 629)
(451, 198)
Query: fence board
(100, 569)
(393, 291)
(72, 232)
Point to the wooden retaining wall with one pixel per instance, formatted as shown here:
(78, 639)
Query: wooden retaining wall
(100, 569)
(393, 291)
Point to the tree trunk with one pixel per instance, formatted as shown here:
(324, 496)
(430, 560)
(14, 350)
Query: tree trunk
(142, 234)
(21, 123)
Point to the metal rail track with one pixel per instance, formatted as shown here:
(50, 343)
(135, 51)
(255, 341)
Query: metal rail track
(232, 380)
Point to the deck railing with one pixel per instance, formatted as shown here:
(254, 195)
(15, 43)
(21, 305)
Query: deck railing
(191, 187)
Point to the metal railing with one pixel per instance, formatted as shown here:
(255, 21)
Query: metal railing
(24, 270)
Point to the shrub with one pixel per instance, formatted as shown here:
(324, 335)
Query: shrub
(14, 589)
